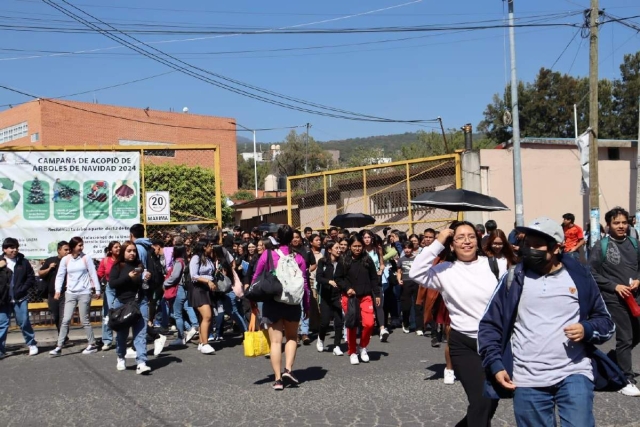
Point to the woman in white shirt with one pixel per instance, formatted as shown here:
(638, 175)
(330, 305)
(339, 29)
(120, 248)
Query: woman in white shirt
(466, 283)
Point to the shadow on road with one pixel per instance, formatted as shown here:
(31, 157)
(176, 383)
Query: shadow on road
(312, 373)
(438, 371)
(377, 355)
(162, 361)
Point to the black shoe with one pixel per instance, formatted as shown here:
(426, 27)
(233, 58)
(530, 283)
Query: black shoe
(288, 377)
(278, 385)
(306, 340)
(434, 342)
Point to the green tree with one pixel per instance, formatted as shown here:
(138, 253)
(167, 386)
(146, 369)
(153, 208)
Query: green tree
(243, 195)
(246, 173)
(626, 92)
(364, 156)
(192, 190)
(295, 152)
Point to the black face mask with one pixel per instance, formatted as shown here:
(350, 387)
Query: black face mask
(534, 259)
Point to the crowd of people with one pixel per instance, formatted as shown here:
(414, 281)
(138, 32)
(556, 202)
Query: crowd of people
(520, 315)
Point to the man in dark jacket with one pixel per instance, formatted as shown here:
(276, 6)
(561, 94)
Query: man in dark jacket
(538, 333)
(48, 273)
(615, 264)
(16, 278)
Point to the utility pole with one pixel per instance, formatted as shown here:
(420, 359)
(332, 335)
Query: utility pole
(517, 167)
(306, 150)
(594, 188)
(255, 161)
(637, 171)
(444, 136)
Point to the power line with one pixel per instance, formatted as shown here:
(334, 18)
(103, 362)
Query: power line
(334, 112)
(129, 119)
(565, 48)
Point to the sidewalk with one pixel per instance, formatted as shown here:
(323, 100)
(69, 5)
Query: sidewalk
(50, 335)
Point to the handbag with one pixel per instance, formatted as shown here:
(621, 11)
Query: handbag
(172, 291)
(352, 316)
(125, 316)
(266, 285)
(256, 343)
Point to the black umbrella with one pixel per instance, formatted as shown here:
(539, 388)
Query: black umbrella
(268, 227)
(352, 220)
(458, 200)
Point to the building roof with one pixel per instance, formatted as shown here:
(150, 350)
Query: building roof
(264, 201)
(604, 143)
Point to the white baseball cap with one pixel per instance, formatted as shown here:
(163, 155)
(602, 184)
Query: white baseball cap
(546, 227)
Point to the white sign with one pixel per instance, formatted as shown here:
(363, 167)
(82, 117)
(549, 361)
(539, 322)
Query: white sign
(49, 196)
(158, 207)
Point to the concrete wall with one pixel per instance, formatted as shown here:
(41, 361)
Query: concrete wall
(551, 183)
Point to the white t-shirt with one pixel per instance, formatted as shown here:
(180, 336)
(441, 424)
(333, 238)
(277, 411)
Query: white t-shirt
(11, 263)
(466, 287)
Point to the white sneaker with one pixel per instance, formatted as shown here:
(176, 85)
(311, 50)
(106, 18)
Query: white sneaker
(178, 342)
(143, 369)
(319, 345)
(158, 345)
(172, 328)
(354, 359)
(449, 376)
(206, 349)
(364, 356)
(405, 329)
(190, 334)
(121, 365)
(630, 390)
(106, 347)
(419, 333)
(384, 335)
(56, 351)
(131, 354)
(337, 351)
(33, 350)
(90, 349)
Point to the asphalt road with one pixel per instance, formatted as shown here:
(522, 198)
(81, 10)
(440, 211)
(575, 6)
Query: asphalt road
(402, 386)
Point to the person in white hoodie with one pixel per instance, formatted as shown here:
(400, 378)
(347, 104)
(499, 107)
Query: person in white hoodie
(81, 276)
(466, 282)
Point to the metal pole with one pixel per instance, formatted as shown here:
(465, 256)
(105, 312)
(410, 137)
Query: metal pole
(255, 162)
(444, 136)
(517, 167)
(637, 172)
(306, 151)
(575, 121)
(594, 189)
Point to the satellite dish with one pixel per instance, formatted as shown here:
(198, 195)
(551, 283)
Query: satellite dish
(185, 110)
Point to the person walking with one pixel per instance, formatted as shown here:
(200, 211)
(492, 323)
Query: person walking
(310, 262)
(106, 264)
(202, 269)
(280, 316)
(409, 290)
(615, 265)
(80, 273)
(48, 273)
(466, 283)
(357, 277)
(330, 298)
(16, 279)
(538, 334)
(373, 248)
(176, 279)
(126, 278)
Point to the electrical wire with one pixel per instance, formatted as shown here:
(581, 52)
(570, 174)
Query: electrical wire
(566, 47)
(171, 62)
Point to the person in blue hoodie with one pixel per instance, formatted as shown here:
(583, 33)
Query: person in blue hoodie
(538, 334)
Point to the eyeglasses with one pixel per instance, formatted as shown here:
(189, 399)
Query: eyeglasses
(470, 238)
(498, 245)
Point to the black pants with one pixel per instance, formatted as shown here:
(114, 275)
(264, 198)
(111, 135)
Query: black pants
(627, 335)
(56, 307)
(408, 300)
(467, 366)
(328, 310)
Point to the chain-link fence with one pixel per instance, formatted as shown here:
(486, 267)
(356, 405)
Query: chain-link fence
(382, 191)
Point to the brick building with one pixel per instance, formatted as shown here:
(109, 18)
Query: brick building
(44, 123)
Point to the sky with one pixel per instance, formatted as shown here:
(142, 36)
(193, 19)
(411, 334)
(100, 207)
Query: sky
(447, 74)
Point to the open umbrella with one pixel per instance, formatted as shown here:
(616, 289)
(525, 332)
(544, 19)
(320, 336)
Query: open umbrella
(268, 227)
(352, 220)
(459, 200)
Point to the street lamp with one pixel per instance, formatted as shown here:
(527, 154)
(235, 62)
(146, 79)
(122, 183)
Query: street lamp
(255, 161)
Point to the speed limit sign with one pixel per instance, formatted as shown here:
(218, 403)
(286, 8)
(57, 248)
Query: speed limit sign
(157, 207)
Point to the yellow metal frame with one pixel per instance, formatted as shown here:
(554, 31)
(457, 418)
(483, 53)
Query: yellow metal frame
(456, 157)
(141, 149)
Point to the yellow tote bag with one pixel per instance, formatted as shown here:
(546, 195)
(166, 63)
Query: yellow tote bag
(256, 343)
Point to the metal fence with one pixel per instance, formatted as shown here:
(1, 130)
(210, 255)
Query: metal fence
(382, 191)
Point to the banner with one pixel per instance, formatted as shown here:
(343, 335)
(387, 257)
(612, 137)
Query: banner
(46, 197)
(583, 148)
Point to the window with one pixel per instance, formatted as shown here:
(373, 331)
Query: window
(14, 132)
(35, 137)
(613, 153)
(160, 153)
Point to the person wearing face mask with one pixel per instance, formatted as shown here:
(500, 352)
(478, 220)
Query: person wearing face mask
(615, 264)
(537, 337)
(466, 282)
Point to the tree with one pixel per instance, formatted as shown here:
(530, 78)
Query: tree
(430, 144)
(626, 92)
(243, 195)
(364, 156)
(36, 195)
(246, 173)
(295, 152)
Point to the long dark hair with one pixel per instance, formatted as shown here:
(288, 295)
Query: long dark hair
(123, 249)
(507, 250)
(348, 258)
(199, 251)
(110, 247)
(218, 250)
(180, 252)
(448, 254)
(75, 241)
(285, 236)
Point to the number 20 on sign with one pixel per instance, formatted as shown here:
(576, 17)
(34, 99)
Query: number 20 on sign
(158, 209)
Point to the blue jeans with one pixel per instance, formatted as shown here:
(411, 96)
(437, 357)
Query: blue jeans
(21, 312)
(304, 323)
(181, 305)
(139, 333)
(107, 302)
(573, 396)
(230, 304)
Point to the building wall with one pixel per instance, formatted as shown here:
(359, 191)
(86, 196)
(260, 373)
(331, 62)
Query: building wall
(551, 183)
(61, 125)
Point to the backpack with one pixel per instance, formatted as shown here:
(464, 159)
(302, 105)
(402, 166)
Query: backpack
(493, 264)
(154, 267)
(604, 244)
(292, 278)
(172, 291)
